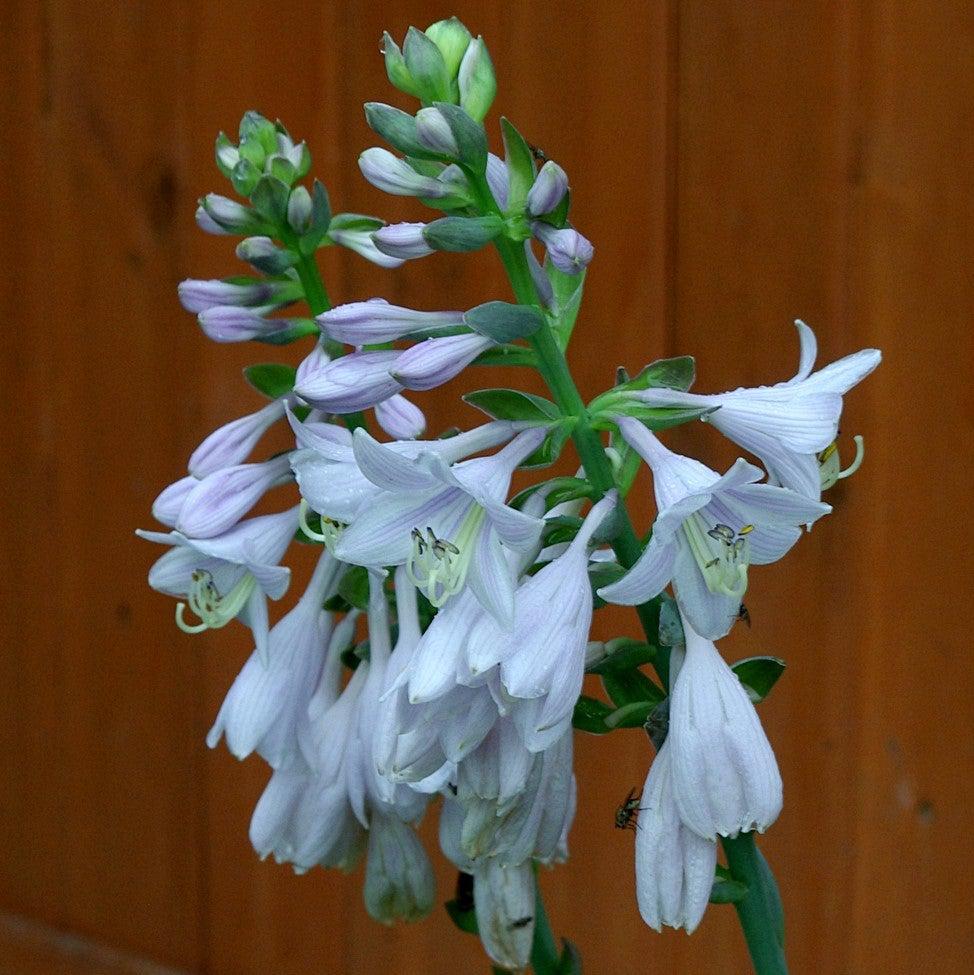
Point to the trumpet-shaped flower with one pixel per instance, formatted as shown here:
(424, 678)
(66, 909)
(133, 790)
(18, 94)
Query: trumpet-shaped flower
(227, 577)
(709, 529)
(674, 866)
(268, 699)
(788, 424)
(449, 525)
(725, 777)
(543, 657)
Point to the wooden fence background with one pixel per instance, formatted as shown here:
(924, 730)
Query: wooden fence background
(737, 165)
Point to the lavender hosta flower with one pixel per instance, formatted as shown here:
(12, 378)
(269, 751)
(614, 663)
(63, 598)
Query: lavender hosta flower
(233, 442)
(372, 322)
(404, 241)
(786, 425)
(228, 323)
(329, 477)
(227, 577)
(169, 503)
(548, 190)
(219, 500)
(393, 175)
(362, 243)
(542, 659)
(709, 529)
(268, 699)
(400, 418)
(197, 296)
(725, 777)
(568, 250)
(674, 866)
(354, 382)
(436, 361)
(434, 132)
(311, 364)
(449, 525)
(208, 225)
(497, 179)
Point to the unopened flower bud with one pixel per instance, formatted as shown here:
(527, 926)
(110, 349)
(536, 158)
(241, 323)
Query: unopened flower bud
(229, 215)
(452, 38)
(167, 506)
(400, 418)
(396, 66)
(569, 251)
(257, 129)
(233, 442)
(263, 254)
(402, 240)
(361, 242)
(434, 132)
(371, 322)
(196, 295)
(394, 175)
(208, 225)
(548, 190)
(299, 210)
(436, 361)
(229, 324)
(399, 883)
(478, 86)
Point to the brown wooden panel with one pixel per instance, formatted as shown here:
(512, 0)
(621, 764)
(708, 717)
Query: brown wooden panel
(736, 165)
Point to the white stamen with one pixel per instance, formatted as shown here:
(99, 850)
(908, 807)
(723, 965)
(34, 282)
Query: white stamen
(437, 566)
(830, 466)
(722, 557)
(330, 532)
(213, 609)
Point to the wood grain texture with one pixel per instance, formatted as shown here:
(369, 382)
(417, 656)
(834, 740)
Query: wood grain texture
(737, 165)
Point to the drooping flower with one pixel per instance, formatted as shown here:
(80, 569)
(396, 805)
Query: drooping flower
(449, 525)
(674, 866)
(267, 701)
(227, 577)
(788, 424)
(400, 418)
(725, 776)
(542, 659)
(709, 529)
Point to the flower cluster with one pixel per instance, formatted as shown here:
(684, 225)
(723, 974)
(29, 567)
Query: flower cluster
(437, 654)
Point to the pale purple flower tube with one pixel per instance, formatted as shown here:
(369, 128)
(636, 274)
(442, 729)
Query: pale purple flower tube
(226, 323)
(436, 361)
(569, 251)
(370, 322)
(400, 418)
(402, 240)
(354, 382)
(394, 175)
(221, 499)
(362, 243)
(232, 443)
(198, 296)
(169, 503)
(548, 190)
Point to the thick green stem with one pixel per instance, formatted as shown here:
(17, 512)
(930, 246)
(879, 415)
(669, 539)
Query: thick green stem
(598, 468)
(545, 956)
(760, 912)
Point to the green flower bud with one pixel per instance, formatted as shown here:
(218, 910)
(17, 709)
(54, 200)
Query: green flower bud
(452, 38)
(427, 68)
(253, 126)
(478, 85)
(396, 66)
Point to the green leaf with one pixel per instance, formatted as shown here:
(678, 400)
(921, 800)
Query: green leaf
(624, 654)
(726, 889)
(512, 404)
(678, 373)
(632, 715)
(552, 445)
(504, 322)
(570, 962)
(603, 574)
(462, 234)
(354, 587)
(654, 417)
(567, 290)
(560, 489)
(590, 714)
(520, 167)
(631, 686)
(273, 379)
(758, 675)
(561, 528)
(470, 136)
(465, 918)
(426, 66)
(270, 198)
(355, 221)
(507, 355)
(398, 128)
(320, 207)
